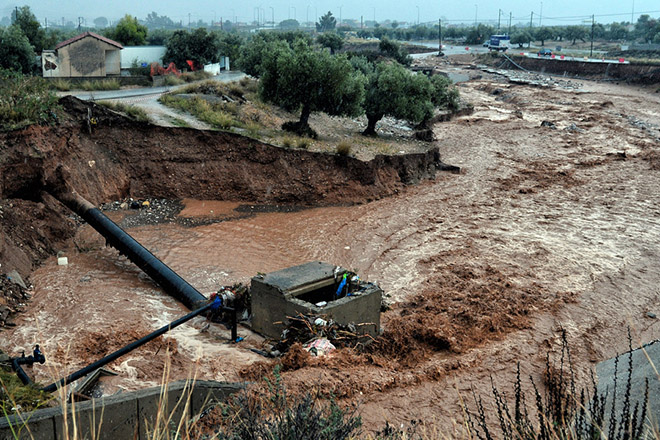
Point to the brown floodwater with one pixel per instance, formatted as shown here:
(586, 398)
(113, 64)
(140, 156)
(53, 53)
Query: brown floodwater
(572, 209)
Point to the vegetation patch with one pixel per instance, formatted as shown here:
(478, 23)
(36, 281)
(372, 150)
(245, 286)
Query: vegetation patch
(214, 114)
(133, 111)
(25, 100)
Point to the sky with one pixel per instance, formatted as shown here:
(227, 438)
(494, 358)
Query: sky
(557, 12)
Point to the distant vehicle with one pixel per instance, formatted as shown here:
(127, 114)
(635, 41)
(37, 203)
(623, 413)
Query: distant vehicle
(486, 43)
(544, 53)
(499, 42)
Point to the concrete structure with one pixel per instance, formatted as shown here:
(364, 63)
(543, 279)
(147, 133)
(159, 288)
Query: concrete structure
(86, 55)
(298, 289)
(645, 360)
(121, 416)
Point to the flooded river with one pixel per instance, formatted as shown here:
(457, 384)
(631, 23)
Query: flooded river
(571, 211)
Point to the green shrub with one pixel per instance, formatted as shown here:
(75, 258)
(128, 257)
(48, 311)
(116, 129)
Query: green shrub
(287, 142)
(25, 100)
(303, 143)
(343, 148)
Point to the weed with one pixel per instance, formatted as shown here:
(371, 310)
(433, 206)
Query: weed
(25, 100)
(61, 84)
(343, 148)
(303, 143)
(287, 142)
(253, 130)
(178, 122)
(276, 415)
(133, 111)
(106, 84)
(212, 114)
(172, 80)
(561, 412)
(195, 76)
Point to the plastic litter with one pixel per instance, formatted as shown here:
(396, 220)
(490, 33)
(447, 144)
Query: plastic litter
(321, 304)
(319, 347)
(62, 261)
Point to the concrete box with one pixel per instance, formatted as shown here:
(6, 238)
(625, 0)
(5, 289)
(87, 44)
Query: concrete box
(297, 290)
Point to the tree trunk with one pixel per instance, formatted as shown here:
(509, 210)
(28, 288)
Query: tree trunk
(371, 125)
(304, 116)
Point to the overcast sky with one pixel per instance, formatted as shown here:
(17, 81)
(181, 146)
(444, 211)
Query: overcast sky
(551, 13)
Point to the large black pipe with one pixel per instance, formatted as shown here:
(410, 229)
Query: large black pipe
(172, 283)
(122, 351)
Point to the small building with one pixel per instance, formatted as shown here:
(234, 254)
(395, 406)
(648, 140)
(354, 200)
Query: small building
(311, 289)
(87, 55)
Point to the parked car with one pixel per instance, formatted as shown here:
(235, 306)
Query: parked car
(544, 53)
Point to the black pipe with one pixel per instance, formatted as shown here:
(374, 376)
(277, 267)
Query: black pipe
(37, 356)
(169, 280)
(122, 351)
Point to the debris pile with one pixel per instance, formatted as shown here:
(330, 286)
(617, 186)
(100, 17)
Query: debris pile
(13, 296)
(313, 331)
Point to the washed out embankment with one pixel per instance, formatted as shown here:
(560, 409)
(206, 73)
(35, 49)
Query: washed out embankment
(109, 157)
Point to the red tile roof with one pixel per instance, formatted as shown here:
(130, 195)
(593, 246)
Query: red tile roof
(88, 34)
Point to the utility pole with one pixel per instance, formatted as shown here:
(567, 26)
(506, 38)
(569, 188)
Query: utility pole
(499, 14)
(591, 51)
(188, 20)
(46, 24)
(79, 21)
(632, 14)
(15, 15)
(510, 14)
(541, 14)
(440, 37)
(531, 19)
(361, 21)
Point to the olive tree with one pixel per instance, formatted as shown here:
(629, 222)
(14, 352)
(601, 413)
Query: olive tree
(332, 40)
(299, 78)
(199, 46)
(395, 91)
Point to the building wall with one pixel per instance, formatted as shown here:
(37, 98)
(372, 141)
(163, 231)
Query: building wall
(113, 62)
(142, 54)
(87, 57)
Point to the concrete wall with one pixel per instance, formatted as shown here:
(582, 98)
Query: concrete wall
(639, 73)
(274, 298)
(122, 416)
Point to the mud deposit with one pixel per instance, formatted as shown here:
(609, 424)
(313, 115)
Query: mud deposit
(548, 227)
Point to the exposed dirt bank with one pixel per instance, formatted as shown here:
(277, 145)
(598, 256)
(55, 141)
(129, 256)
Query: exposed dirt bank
(117, 158)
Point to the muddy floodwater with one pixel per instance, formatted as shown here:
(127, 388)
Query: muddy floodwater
(569, 208)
